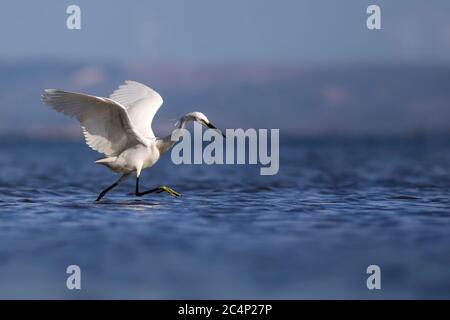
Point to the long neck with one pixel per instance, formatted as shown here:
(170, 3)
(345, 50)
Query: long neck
(166, 143)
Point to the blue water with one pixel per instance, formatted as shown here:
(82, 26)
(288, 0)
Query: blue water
(336, 207)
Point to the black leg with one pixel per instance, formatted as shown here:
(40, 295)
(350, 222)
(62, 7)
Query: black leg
(140, 194)
(158, 190)
(122, 178)
(106, 191)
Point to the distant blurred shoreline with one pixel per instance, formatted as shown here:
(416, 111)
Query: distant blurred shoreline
(285, 139)
(380, 99)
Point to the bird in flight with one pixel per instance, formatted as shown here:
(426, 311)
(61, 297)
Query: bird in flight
(120, 128)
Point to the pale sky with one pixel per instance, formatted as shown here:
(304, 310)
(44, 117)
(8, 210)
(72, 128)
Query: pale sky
(213, 31)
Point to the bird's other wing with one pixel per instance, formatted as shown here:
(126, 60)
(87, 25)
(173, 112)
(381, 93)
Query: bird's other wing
(106, 125)
(141, 102)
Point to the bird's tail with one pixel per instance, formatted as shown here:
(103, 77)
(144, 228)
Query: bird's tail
(106, 160)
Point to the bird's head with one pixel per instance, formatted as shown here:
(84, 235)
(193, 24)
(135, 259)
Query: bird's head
(202, 119)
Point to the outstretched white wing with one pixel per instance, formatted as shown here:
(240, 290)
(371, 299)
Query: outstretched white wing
(141, 102)
(106, 125)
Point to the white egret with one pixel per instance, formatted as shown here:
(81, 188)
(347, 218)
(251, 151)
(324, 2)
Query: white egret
(120, 128)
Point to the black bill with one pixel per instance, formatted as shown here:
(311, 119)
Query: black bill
(211, 126)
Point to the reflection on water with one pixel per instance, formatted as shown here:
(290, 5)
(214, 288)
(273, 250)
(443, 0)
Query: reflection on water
(309, 232)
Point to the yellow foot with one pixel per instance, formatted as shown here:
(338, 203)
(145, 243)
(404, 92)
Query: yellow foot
(169, 191)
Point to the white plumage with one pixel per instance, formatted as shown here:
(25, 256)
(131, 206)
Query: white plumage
(120, 127)
(141, 102)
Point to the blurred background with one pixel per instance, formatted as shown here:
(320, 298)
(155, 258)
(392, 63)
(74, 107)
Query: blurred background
(306, 67)
(364, 150)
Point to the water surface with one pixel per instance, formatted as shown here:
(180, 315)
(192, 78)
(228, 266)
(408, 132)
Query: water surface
(335, 207)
